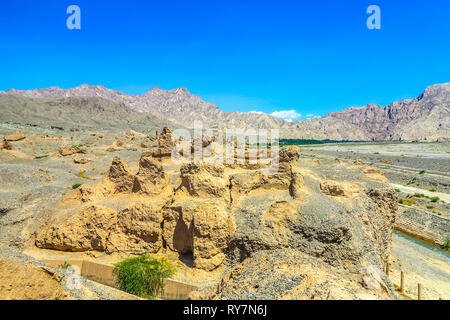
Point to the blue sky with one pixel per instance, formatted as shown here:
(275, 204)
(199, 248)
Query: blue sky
(312, 57)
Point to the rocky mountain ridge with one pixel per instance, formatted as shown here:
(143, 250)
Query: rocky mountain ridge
(425, 118)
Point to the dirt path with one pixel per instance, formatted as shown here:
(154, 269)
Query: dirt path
(412, 190)
(421, 265)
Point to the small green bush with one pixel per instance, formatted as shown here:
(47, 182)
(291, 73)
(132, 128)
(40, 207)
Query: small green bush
(422, 171)
(446, 243)
(144, 275)
(76, 185)
(406, 202)
(434, 199)
(65, 265)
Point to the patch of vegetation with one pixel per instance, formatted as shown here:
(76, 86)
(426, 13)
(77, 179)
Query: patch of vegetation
(26, 197)
(430, 207)
(81, 145)
(422, 171)
(65, 265)
(434, 199)
(81, 174)
(432, 190)
(446, 243)
(397, 190)
(407, 202)
(41, 157)
(419, 195)
(76, 185)
(144, 275)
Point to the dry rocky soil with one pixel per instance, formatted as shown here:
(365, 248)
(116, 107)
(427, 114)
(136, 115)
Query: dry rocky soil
(321, 227)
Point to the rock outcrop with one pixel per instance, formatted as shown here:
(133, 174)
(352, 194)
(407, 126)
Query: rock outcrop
(83, 229)
(23, 281)
(5, 145)
(165, 143)
(120, 175)
(200, 228)
(117, 145)
(212, 214)
(291, 275)
(335, 189)
(68, 151)
(81, 160)
(137, 230)
(151, 178)
(204, 180)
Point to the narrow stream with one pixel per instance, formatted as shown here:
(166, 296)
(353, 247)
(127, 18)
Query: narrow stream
(423, 244)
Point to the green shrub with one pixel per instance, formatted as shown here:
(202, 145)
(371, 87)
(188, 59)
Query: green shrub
(422, 171)
(446, 243)
(406, 202)
(41, 157)
(76, 185)
(65, 265)
(143, 275)
(434, 199)
(432, 190)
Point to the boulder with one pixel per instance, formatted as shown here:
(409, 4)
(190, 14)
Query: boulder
(332, 188)
(117, 145)
(81, 160)
(359, 162)
(68, 151)
(5, 145)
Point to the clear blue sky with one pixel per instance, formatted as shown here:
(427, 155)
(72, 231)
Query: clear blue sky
(310, 56)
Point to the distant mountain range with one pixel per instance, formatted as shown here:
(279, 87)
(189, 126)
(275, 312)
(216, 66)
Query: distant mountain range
(425, 118)
(77, 113)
